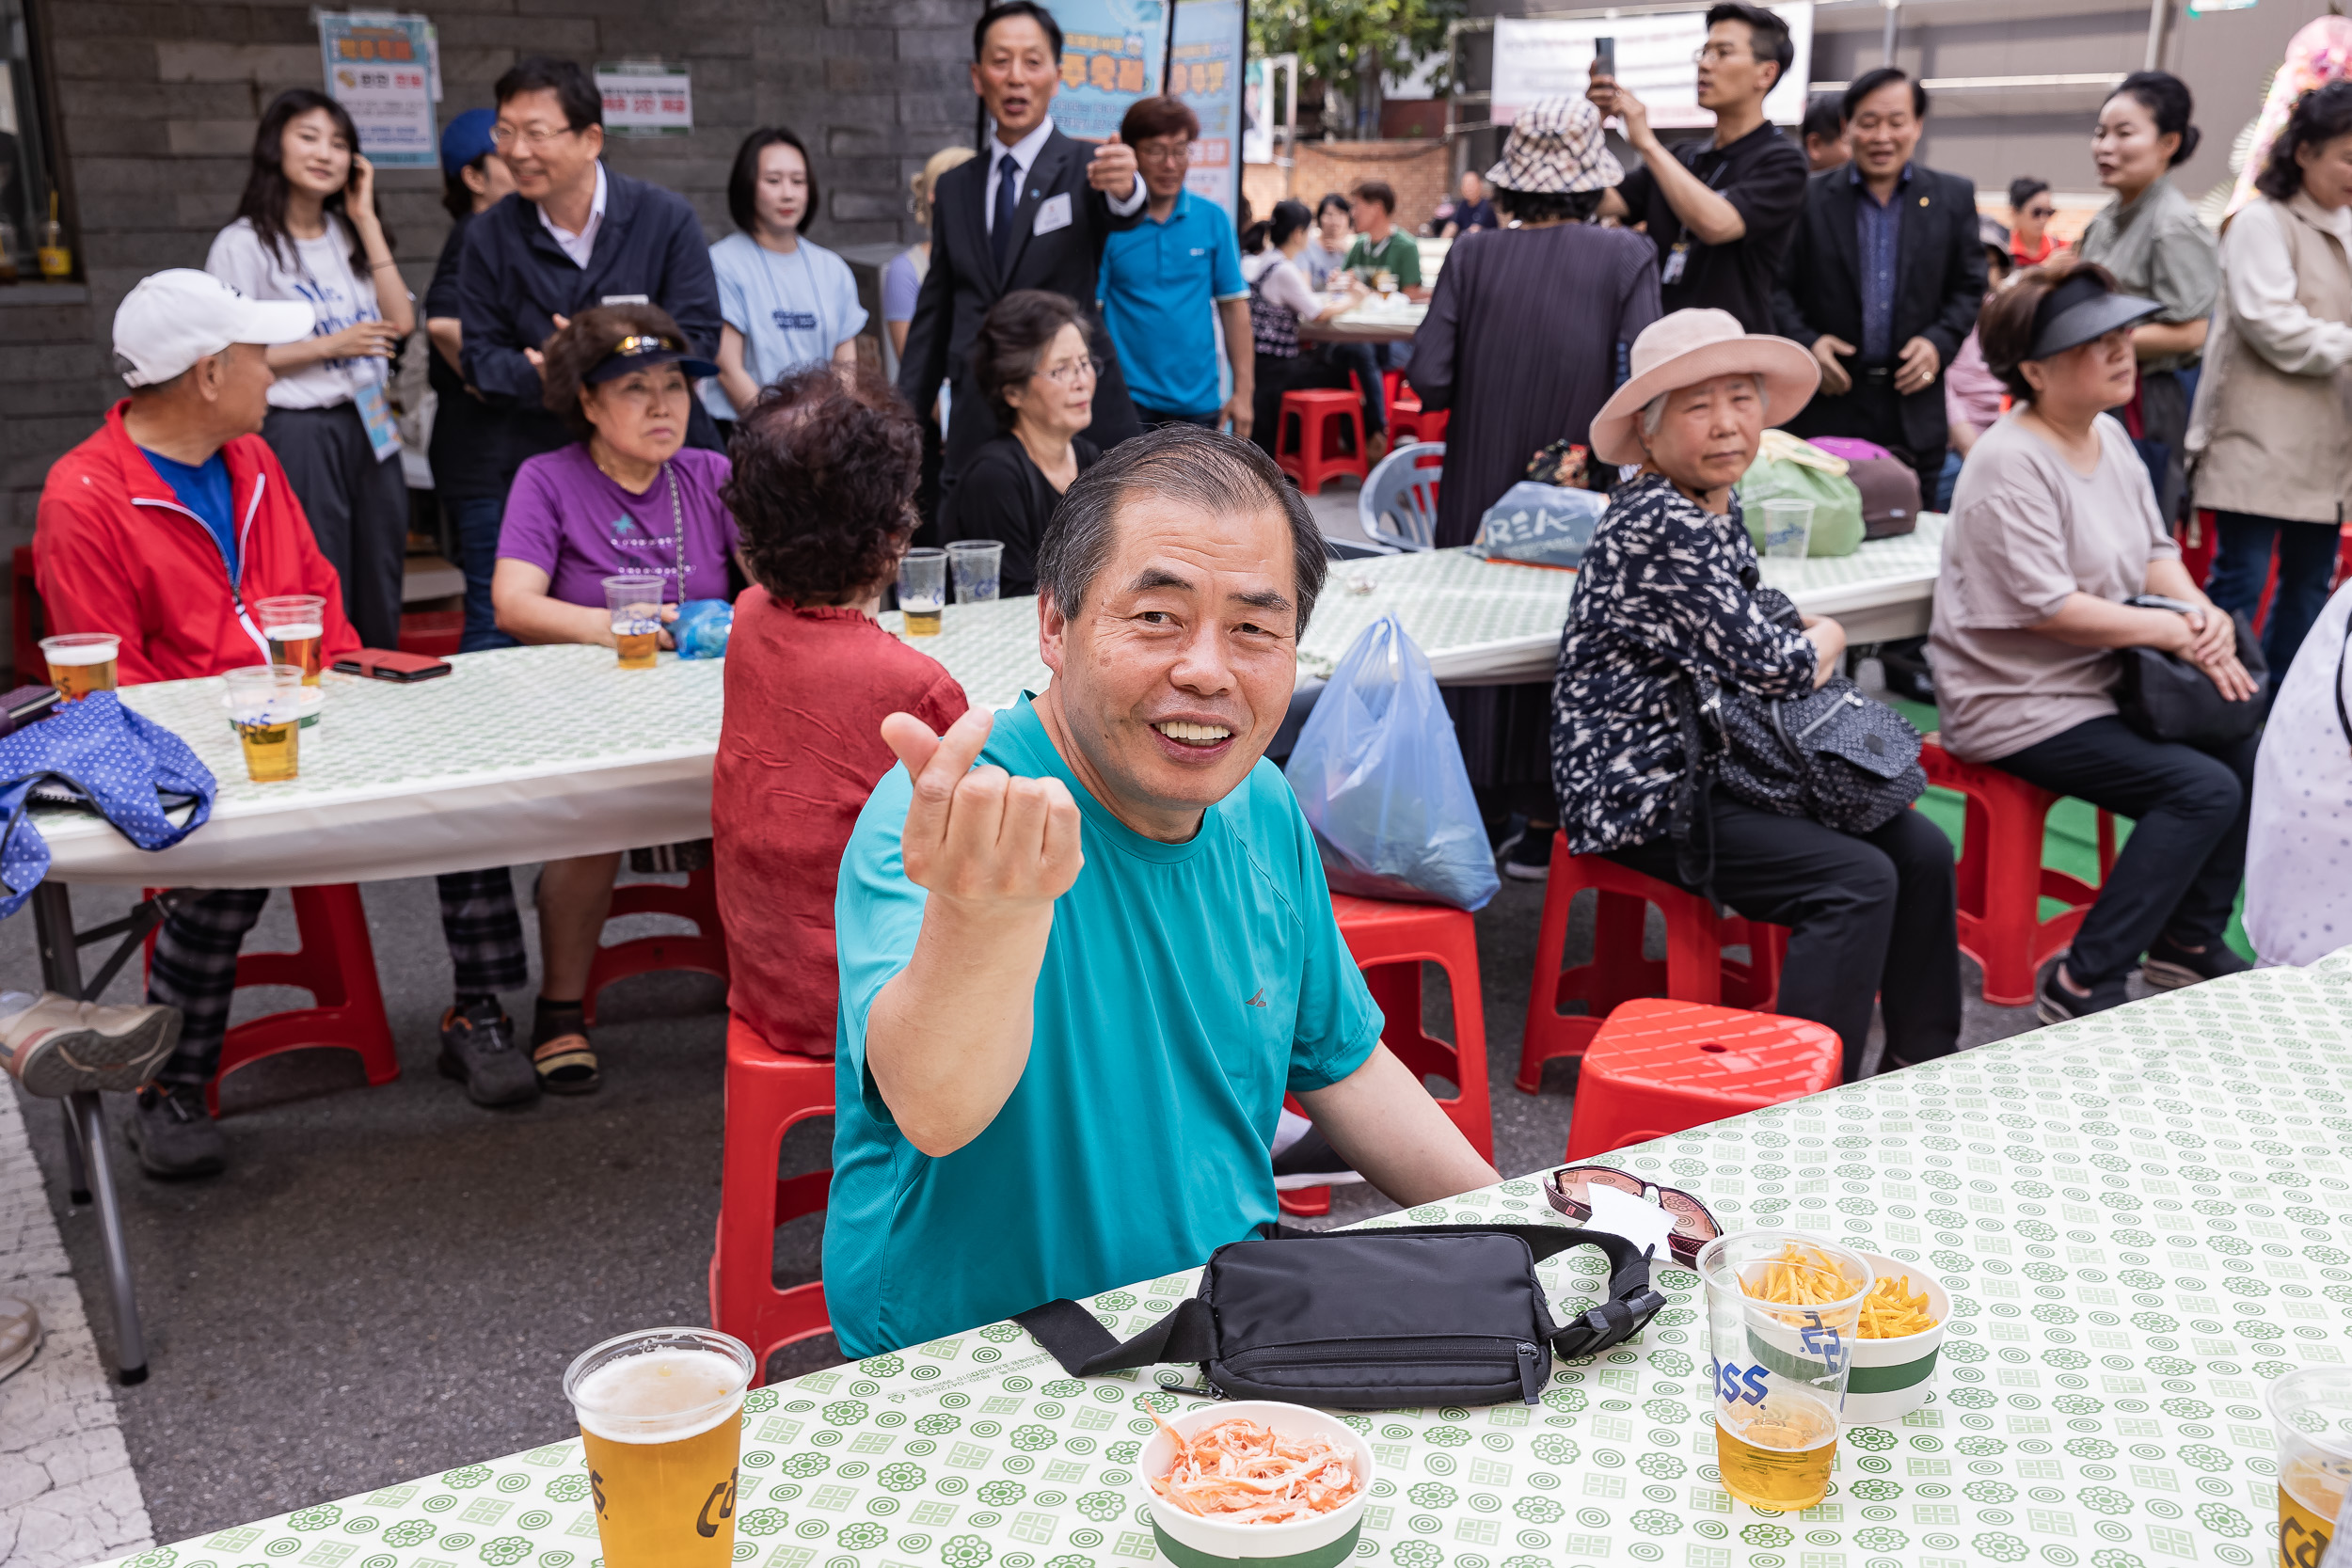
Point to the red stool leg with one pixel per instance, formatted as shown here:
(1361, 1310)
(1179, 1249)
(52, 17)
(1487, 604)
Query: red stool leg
(336, 964)
(704, 952)
(1545, 1034)
(768, 1093)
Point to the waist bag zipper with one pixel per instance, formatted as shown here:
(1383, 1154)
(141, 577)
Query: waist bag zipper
(1528, 1375)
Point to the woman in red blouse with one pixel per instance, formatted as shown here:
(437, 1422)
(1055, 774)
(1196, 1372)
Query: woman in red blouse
(823, 491)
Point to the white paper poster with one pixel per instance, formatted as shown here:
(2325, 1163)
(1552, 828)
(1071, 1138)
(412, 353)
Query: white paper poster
(1542, 58)
(380, 68)
(647, 100)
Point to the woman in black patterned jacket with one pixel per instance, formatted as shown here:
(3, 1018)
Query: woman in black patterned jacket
(1666, 596)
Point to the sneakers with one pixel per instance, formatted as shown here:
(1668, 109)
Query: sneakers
(174, 1134)
(1311, 1161)
(57, 1047)
(2055, 1002)
(20, 1333)
(1530, 859)
(2169, 966)
(478, 1049)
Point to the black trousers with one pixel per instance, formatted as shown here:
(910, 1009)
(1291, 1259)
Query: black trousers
(357, 507)
(1873, 917)
(2178, 872)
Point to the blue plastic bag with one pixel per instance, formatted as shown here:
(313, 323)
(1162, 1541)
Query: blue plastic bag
(1379, 775)
(701, 629)
(1541, 524)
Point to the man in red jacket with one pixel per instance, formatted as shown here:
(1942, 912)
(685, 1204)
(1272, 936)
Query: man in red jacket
(166, 528)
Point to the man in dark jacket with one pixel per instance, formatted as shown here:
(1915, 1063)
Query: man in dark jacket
(573, 235)
(1883, 280)
(1032, 212)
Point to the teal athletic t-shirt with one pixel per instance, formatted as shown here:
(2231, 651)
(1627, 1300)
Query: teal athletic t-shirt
(1185, 988)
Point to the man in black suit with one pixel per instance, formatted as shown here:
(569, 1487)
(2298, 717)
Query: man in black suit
(1031, 211)
(1883, 279)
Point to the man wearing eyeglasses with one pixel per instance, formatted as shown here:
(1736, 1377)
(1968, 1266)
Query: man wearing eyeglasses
(1720, 211)
(1166, 280)
(573, 235)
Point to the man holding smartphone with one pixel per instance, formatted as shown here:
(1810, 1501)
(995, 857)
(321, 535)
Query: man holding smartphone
(1720, 211)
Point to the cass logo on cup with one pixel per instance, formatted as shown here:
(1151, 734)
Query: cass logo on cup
(1736, 1385)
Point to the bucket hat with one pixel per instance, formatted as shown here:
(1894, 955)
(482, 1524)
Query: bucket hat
(1690, 346)
(1556, 148)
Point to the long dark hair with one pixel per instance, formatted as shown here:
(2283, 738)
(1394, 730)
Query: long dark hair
(2166, 100)
(264, 203)
(2320, 115)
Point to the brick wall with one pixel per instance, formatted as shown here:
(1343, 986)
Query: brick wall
(1419, 171)
(156, 101)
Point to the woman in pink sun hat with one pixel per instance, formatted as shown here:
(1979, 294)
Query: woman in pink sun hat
(1666, 614)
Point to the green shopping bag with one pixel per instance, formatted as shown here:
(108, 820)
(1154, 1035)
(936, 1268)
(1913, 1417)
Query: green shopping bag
(1787, 467)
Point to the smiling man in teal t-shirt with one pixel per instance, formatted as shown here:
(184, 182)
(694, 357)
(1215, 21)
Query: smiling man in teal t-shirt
(1077, 979)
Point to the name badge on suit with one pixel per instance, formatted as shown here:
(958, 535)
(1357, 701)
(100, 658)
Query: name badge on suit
(1052, 213)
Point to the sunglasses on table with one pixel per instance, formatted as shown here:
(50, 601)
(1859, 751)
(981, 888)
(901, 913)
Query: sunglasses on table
(1568, 1190)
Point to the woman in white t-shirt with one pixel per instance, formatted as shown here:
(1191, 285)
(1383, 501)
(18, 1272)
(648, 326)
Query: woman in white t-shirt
(786, 300)
(1280, 298)
(306, 231)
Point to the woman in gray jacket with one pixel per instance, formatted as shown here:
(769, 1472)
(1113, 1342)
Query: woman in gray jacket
(2274, 408)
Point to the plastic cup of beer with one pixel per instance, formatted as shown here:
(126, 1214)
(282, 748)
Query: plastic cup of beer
(81, 662)
(977, 567)
(636, 606)
(661, 1417)
(1780, 1367)
(295, 626)
(922, 589)
(2313, 1411)
(1788, 529)
(265, 705)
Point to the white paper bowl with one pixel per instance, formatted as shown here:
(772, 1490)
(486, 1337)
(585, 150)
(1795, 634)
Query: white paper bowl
(1190, 1541)
(1891, 1377)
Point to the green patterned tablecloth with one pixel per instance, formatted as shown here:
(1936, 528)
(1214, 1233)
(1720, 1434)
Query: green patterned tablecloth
(2141, 1216)
(1477, 621)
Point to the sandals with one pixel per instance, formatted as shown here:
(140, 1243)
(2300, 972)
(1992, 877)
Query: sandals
(567, 1065)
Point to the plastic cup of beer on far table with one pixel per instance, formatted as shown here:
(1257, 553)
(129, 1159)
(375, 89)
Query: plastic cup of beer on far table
(1788, 529)
(81, 662)
(1780, 1364)
(2313, 1411)
(660, 1419)
(296, 624)
(636, 606)
(977, 567)
(265, 705)
(922, 589)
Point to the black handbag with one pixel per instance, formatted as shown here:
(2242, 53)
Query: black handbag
(1385, 1318)
(2165, 697)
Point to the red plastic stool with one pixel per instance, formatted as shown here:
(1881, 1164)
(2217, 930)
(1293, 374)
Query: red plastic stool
(768, 1092)
(1658, 1067)
(1409, 422)
(2002, 879)
(336, 964)
(1390, 941)
(1694, 969)
(704, 952)
(1315, 455)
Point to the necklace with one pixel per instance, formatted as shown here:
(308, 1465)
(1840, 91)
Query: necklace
(678, 530)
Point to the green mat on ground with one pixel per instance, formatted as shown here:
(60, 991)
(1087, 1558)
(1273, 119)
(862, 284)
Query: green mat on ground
(2071, 844)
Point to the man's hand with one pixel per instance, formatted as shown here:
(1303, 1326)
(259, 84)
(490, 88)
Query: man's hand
(1241, 413)
(1112, 169)
(1918, 369)
(1827, 351)
(539, 360)
(1610, 99)
(977, 837)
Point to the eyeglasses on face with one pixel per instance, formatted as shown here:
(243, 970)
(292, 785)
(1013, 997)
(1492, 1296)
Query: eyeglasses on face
(1721, 53)
(504, 136)
(1072, 372)
(1166, 151)
(2043, 212)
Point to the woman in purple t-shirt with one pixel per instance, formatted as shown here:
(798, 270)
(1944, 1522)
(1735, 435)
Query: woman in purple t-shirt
(627, 498)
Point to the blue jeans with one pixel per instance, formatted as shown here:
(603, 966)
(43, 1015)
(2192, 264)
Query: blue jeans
(476, 519)
(2241, 564)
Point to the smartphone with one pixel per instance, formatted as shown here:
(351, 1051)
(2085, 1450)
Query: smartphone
(1605, 57)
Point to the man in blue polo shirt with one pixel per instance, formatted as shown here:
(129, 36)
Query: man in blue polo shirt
(1167, 279)
(1077, 979)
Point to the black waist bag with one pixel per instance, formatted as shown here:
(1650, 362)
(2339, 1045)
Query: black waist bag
(1384, 1319)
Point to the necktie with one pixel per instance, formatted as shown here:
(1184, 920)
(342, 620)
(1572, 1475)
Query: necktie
(1008, 197)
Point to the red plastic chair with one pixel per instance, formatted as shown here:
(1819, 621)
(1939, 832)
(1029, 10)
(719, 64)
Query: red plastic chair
(1696, 968)
(2002, 879)
(336, 964)
(1390, 941)
(1313, 451)
(768, 1092)
(1658, 1067)
(704, 952)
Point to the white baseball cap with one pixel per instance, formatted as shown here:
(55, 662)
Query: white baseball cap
(170, 321)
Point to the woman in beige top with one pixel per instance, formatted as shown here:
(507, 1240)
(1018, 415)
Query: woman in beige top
(2268, 438)
(2053, 525)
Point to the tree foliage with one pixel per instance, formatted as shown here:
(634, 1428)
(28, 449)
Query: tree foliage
(1349, 44)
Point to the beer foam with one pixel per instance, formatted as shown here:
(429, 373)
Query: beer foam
(295, 633)
(87, 653)
(658, 1396)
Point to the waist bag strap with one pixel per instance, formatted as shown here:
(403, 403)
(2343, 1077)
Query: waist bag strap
(1085, 1348)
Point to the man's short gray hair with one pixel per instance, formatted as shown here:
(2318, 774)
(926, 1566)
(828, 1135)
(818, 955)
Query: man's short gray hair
(1654, 411)
(1200, 471)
